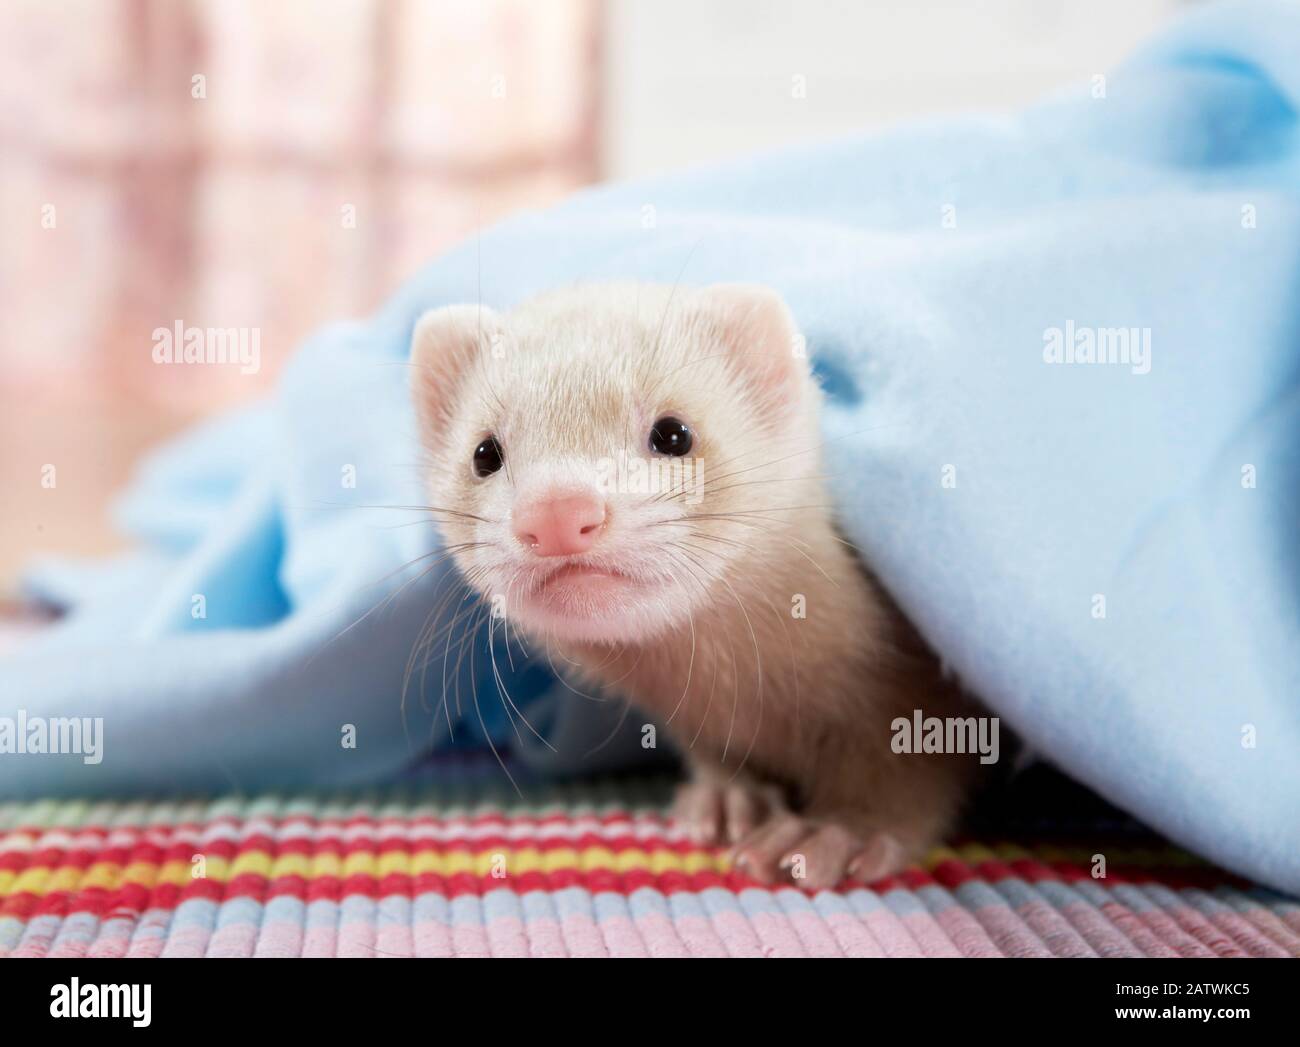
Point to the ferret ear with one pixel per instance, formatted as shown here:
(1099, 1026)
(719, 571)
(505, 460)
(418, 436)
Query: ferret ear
(756, 325)
(444, 345)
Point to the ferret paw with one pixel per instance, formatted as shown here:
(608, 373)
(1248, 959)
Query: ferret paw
(718, 811)
(816, 854)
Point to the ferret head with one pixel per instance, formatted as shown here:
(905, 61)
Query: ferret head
(609, 461)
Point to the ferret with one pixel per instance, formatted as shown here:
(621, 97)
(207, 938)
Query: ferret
(634, 474)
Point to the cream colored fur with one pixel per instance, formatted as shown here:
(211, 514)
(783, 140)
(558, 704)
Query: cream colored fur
(785, 719)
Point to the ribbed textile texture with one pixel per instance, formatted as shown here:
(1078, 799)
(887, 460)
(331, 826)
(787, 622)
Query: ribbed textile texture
(582, 870)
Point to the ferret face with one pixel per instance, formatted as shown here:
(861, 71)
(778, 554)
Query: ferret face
(607, 461)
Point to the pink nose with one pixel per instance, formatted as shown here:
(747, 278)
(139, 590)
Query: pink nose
(560, 526)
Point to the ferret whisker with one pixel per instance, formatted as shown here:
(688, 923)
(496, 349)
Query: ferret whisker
(505, 627)
(758, 689)
(444, 702)
(429, 636)
(408, 523)
(468, 609)
(502, 693)
(478, 320)
(794, 668)
(425, 656)
(406, 676)
(795, 454)
(756, 512)
(689, 521)
(850, 545)
(627, 708)
(802, 478)
(668, 305)
(679, 493)
(487, 735)
(523, 639)
(442, 554)
(505, 693)
(690, 665)
(565, 683)
(735, 677)
(572, 661)
(721, 539)
(458, 588)
(677, 370)
(809, 558)
(615, 653)
(423, 648)
(468, 650)
(735, 700)
(708, 705)
(408, 509)
(478, 709)
(760, 524)
(424, 638)
(680, 561)
(797, 544)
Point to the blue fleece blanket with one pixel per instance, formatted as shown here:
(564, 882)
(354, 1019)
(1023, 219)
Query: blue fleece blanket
(1061, 350)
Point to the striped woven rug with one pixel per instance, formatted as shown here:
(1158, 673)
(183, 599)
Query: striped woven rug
(592, 870)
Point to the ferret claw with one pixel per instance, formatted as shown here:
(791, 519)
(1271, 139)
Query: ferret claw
(717, 812)
(816, 854)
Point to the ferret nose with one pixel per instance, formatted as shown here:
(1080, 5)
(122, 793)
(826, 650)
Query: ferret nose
(560, 526)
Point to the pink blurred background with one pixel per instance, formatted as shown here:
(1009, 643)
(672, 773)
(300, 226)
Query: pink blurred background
(272, 166)
(279, 165)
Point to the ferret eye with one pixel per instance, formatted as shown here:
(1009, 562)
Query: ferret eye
(488, 457)
(671, 436)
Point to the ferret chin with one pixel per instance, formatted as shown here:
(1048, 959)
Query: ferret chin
(718, 596)
(579, 602)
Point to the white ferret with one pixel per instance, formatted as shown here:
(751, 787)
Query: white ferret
(634, 473)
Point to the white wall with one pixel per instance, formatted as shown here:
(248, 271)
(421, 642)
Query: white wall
(690, 81)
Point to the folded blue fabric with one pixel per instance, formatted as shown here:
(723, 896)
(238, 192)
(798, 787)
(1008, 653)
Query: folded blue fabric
(1062, 357)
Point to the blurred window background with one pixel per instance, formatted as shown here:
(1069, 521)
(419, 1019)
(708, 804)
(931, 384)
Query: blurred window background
(276, 166)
